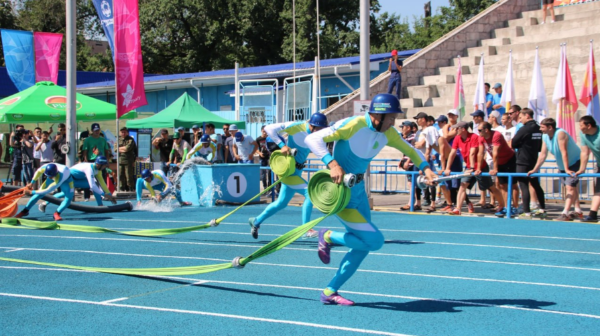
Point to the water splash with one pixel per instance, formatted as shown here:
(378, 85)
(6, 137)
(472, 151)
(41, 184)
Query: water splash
(166, 205)
(207, 199)
(209, 194)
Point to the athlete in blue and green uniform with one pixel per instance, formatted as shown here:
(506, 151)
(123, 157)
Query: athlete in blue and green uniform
(357, 141)
(57, 176)
(203, 149)
(297, 133)
(153, 181)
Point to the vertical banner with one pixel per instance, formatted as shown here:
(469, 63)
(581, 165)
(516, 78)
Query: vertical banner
(19, 58)
(104, 8)
(129, 71)
(589, 91)
(537, 92)
(564, 96)
(479, 99)
(508, 92)
(459, 92)
(47, 56)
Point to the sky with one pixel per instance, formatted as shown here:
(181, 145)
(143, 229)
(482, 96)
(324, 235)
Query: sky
(408, 9)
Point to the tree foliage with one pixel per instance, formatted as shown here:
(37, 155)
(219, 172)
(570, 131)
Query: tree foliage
(200, 35)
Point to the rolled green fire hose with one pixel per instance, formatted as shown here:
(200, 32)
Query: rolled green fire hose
(281, 165)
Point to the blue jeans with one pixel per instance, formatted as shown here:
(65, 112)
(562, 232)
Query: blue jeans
(27, 171)
(246, 161)
(395, 80)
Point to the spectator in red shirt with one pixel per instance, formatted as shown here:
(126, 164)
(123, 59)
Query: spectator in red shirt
(468, 144)
(503, 158)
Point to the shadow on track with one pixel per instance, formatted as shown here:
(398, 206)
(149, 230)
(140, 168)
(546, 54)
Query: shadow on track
(450, 306)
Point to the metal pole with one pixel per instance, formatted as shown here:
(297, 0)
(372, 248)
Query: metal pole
(315, 104)
(237, 92)
(71, 82)
(365, 76)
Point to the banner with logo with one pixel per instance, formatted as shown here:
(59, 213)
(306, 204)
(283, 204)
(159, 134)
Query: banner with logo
(129, 70)
(558, 3)
(47, 56)
(104, 8)
(19, 58)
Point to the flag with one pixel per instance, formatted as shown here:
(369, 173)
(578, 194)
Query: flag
(537, 92)
(129, 71)
(19, 58)
(104, 8)
(589, 91)
(459, 92)
(508, 92)
(564, 96)
(479, 100)
(47, 55)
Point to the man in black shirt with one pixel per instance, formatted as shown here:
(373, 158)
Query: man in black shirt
(59, 141)
(265, 155)
(528, 142)
(164, 144)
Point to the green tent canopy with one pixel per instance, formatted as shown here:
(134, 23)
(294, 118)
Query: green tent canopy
(46, 101)
(184, 112)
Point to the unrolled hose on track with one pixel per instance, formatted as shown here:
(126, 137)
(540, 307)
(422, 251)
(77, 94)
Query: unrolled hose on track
(127, 206)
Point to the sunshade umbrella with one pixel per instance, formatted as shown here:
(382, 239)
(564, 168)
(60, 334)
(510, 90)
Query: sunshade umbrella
(46, 101)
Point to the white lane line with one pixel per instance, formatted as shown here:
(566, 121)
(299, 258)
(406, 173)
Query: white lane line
(335, 251)
(391, 230)
(115, 300)
(379, 272)
(13, 250)
(415, 298)
(197, 312)
(295, 248)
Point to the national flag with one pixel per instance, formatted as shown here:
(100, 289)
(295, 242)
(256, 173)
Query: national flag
(508, 90)
(47, 56)
(589, 91)
(479, 100)
(565, 97)
(537, 92)
(19, 57)
(129, 71)
(459, 92)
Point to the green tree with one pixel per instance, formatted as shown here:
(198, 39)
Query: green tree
(7, 21)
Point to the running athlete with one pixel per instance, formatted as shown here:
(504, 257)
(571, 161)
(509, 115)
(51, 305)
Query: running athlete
(297, 132)
(57, 176)
(203, 149)
(156, 180)
(85, 175)
(357, 141)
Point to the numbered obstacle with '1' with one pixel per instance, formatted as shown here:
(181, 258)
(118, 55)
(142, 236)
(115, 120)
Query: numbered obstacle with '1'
(231, 183)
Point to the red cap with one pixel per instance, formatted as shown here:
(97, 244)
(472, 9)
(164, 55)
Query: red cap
(394, 52)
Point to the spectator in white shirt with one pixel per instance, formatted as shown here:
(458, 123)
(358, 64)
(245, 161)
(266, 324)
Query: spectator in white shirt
(44, 147)
(509, 129)
(244, 148)
(496, 121)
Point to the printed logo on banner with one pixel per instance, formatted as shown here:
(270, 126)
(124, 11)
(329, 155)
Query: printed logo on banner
(9, 102)
(60, 103)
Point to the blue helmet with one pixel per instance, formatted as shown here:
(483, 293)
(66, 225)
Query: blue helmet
(318, 120)
(51, 170)
(101, 160)
(146, 173)
(384, 103)
(205, 138)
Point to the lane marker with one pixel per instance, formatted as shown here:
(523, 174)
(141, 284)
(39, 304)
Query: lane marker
(415, 298)
(197, 312)
(299, 249)
(13, 250)
(374, 253)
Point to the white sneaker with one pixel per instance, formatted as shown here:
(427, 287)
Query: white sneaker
(42, 206)
(543, 22)
(552, 21)
(86, 199)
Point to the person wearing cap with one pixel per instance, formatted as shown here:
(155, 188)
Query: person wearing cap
(95, 145)
(164, 144)
(409, 132)
(496, 105)
(468, 144)
(196, 134)
(244, 148)
(127, 154)
(229, 141)
(448, 131)
(217, 140)
(181, 131)
(57, 176)
(478, 117)
(495, 119)
(296, 131)
(153, 181)
(394, 68)
(180, 150)
(444, 150)
(203, 149)
(358, 140)
(427, 142)
(489, 98)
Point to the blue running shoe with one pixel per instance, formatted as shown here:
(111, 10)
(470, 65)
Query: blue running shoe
(501, 213)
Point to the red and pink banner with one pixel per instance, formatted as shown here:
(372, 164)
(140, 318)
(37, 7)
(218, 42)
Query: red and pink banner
(565, 97)
(47, 55)
(129, 70)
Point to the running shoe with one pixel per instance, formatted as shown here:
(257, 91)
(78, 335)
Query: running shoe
(526, 215)
(455, 211)
(575, 215)
(541, 214)
(185, 204)
(253, 229)
(22, 214)
(335, 299)
(42, 206)
(534, 206)
(471, 207)
(57, 216)
(447, 208)
(440, 202)
(324, 249)
(311, 234)
(501, 213)
(563, 218)
(590, 219)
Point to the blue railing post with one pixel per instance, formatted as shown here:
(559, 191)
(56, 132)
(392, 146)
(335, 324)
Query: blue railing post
(272, 189)
(385, 178)
(412, 191)
(509, 197)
